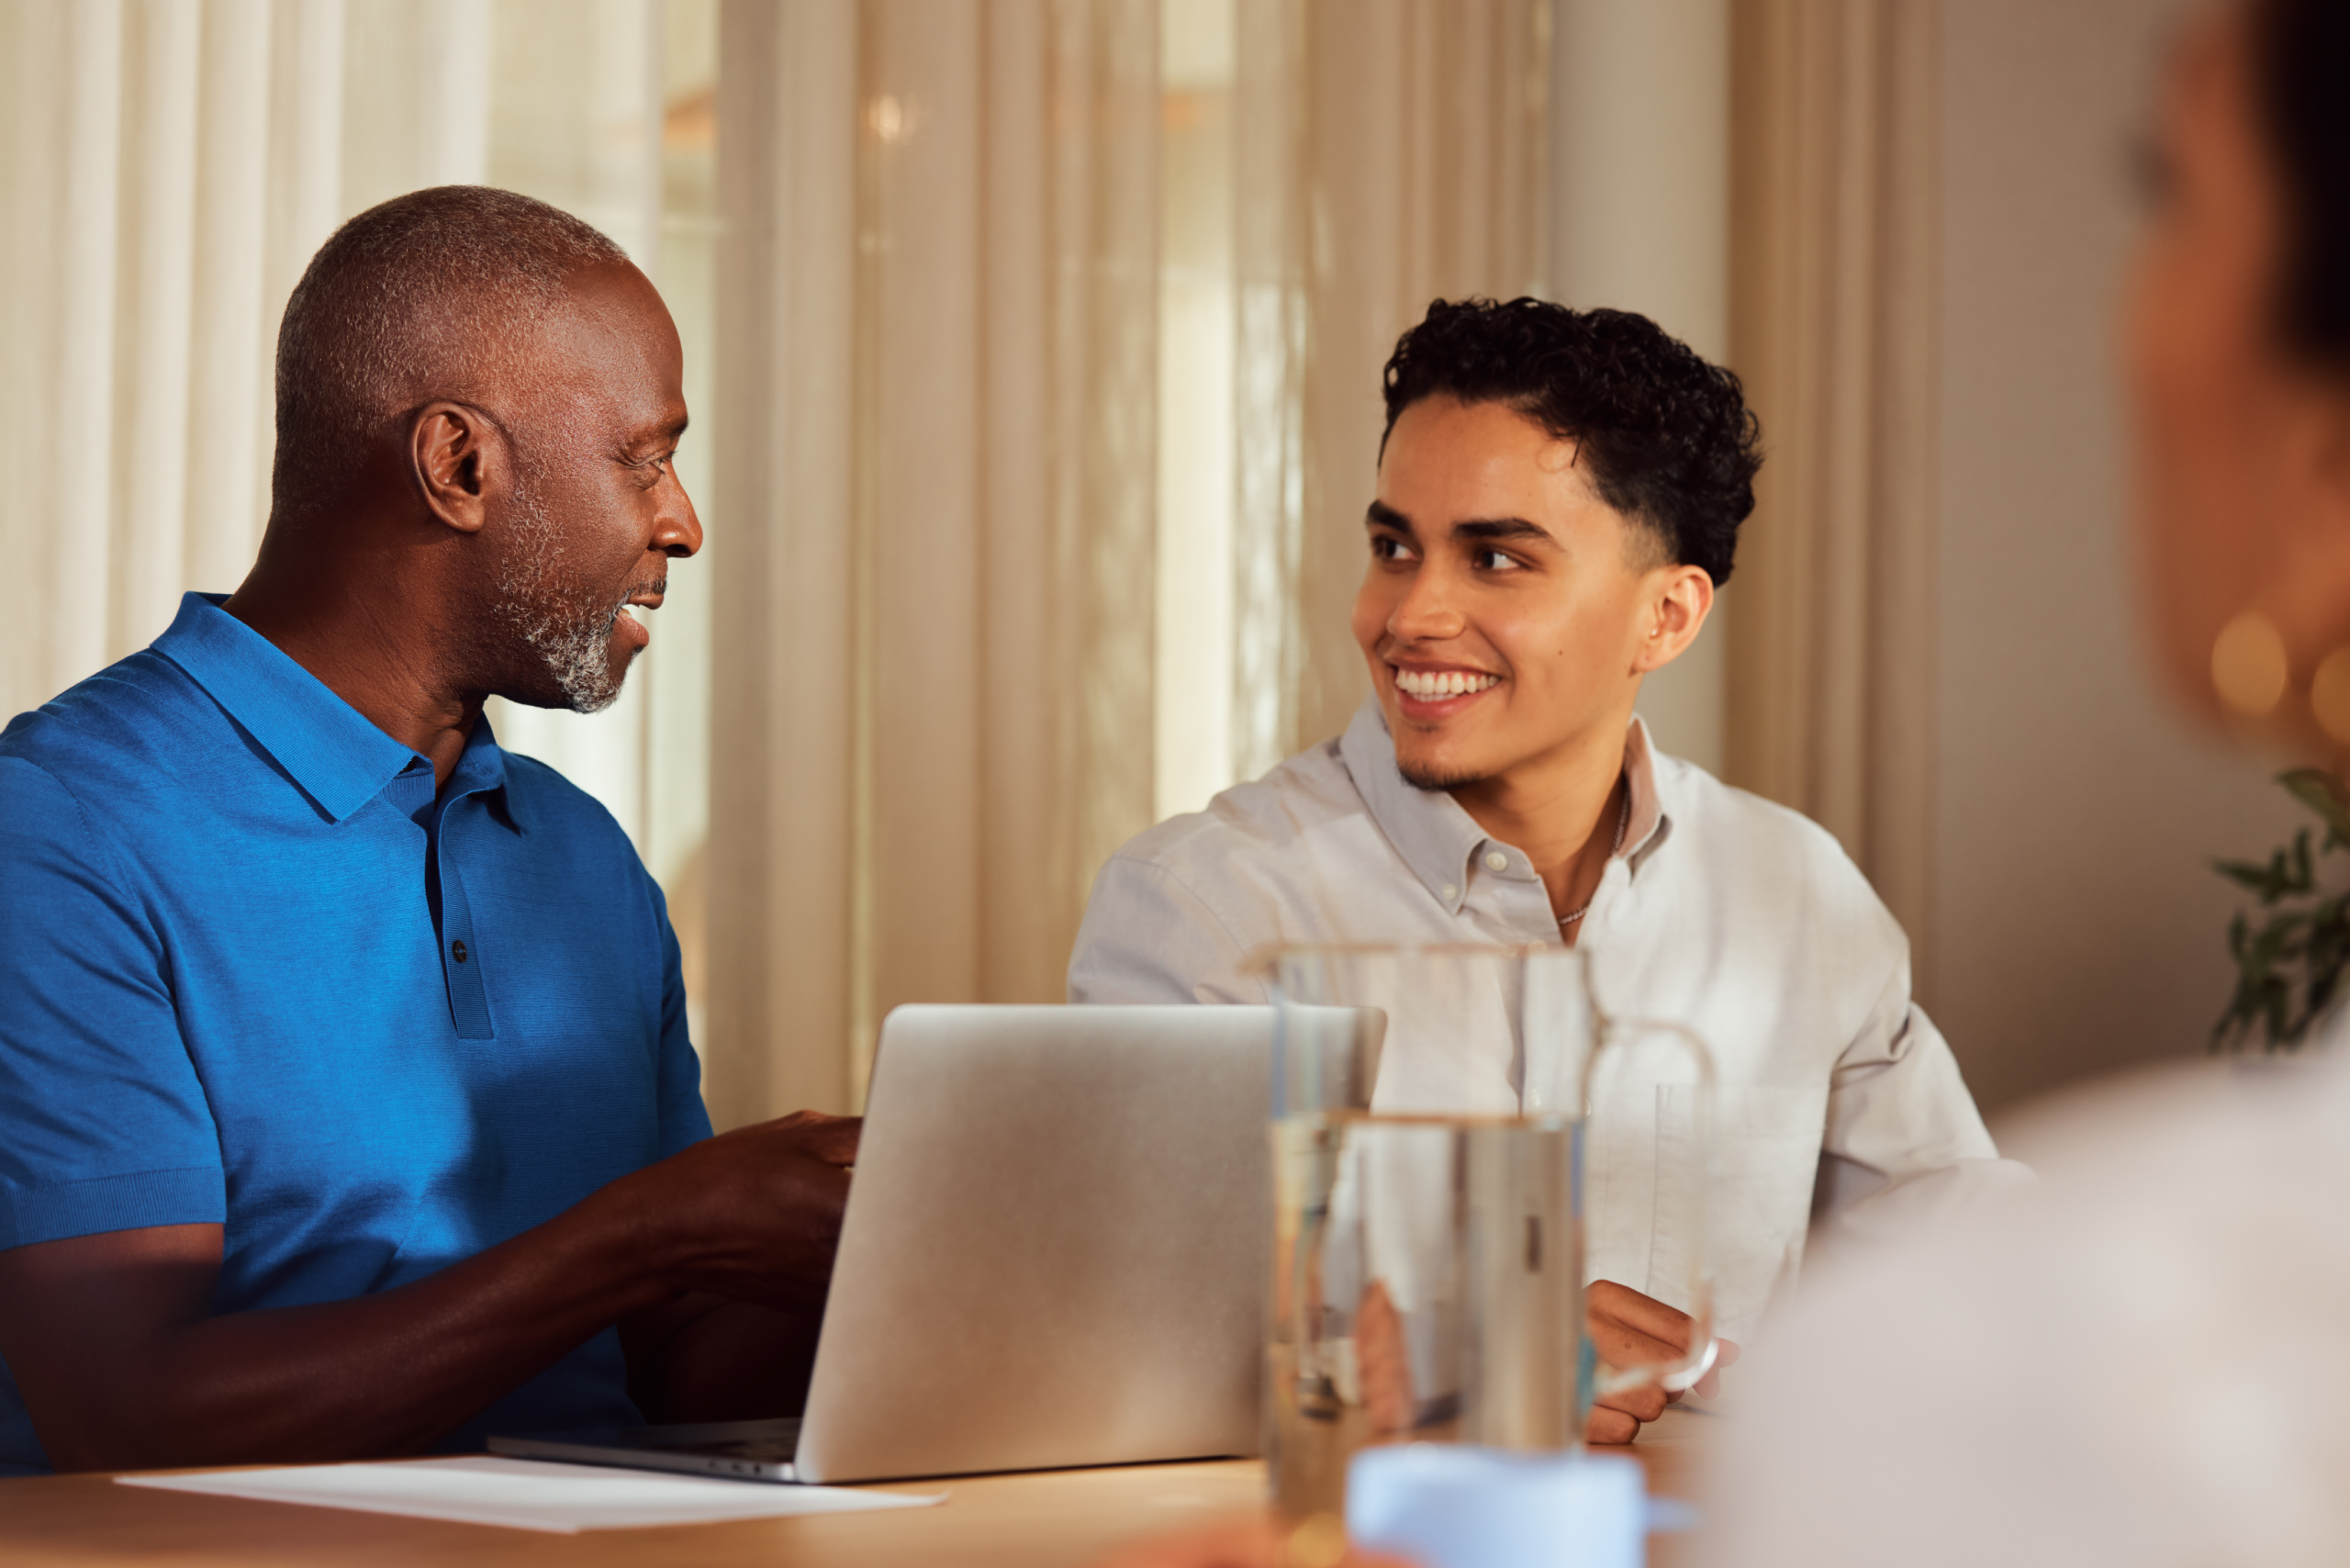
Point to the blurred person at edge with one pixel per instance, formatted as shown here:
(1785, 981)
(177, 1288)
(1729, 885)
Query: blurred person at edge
(2143, 1362)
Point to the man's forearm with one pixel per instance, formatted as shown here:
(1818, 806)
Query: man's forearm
(383, 1373)
(121, 1361)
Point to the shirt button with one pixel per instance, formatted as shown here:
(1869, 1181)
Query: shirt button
(1496, 861)
(1450, 893)
(457, 950)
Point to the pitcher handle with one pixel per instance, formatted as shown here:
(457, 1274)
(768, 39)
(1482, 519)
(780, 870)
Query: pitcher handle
(1673, 1376)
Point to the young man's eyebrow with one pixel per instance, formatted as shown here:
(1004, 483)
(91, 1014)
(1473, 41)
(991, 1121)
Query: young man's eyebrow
(1494, 528)
(1382, 515)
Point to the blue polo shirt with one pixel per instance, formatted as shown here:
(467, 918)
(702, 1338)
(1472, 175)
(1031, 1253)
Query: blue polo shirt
(253, 972)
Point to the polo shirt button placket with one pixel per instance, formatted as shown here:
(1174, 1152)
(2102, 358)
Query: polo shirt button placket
(468, 992)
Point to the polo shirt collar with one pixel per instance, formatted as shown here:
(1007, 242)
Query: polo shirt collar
(1438, 838)
(332, 752)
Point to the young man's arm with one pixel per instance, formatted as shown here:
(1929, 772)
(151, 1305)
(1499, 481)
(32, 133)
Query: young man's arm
(122, 1364)
(1903, 1140)
(1147, 939)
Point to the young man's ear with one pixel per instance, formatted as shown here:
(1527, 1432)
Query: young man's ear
(456, 456)
(1680, 599)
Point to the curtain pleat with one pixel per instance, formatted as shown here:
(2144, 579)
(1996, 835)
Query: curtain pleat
(159, 261)
(81, 347)
(784, 672)
(1833, 327)
(1272, 298)
(226, 493)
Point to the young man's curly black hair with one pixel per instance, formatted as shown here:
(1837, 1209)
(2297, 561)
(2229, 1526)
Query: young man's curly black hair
(1667, 439)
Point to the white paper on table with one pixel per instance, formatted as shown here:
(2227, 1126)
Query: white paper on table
(530, 1494)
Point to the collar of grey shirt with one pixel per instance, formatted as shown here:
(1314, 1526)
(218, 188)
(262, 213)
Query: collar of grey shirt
(1438, 840)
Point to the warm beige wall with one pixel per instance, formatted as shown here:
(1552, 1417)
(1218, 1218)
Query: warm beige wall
(2077, 926)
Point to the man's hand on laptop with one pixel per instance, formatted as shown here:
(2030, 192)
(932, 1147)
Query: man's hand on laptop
(1631, 1329)
(753, 1214)
(753, 1217)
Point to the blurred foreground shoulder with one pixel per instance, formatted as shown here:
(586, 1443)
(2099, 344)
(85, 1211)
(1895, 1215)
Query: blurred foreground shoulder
(2139, 1360)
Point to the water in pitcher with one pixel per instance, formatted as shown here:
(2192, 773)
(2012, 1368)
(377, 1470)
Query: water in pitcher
(1426, 1286)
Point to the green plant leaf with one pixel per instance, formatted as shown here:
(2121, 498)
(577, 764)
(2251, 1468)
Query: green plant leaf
(2294, 963)
(2323, 793)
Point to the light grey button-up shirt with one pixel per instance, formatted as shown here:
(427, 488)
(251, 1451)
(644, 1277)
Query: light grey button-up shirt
(1722, 911)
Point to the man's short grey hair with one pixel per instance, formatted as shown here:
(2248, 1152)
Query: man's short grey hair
(412, 302)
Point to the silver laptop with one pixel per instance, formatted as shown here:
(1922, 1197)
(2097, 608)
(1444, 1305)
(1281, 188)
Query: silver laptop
(1054, 1255)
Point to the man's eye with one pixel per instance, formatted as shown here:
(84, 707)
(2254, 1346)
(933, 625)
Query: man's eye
(1494, 561)
(1386, 548)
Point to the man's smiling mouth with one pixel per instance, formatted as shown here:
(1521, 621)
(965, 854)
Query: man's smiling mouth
(1441, 685)
(649, 597)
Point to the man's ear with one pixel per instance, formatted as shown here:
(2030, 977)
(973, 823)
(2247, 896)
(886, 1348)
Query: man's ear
(458, 459)
(1679, 599)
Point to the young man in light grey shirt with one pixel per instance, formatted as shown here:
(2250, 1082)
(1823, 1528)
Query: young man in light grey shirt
(1559, 497)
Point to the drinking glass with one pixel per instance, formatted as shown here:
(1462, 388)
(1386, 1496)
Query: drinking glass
(1431, 1106)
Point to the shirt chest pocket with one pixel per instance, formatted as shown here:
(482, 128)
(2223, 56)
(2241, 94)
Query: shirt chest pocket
(1764, 1159)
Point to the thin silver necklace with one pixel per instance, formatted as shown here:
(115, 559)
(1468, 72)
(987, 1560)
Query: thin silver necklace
(1623, 820)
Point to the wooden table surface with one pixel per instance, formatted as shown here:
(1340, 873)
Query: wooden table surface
(1052, 1519)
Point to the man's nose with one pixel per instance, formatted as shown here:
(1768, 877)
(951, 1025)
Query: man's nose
(677, 531)
(1430, 610)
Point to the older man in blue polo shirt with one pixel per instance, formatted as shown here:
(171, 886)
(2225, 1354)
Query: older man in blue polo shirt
(346, 1102)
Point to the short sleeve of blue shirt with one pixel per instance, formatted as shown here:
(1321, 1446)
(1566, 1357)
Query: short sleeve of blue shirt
(107, 1122)
(260, 973)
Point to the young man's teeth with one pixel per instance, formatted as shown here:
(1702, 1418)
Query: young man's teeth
(1442, 683)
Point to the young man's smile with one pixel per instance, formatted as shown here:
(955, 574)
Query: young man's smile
(1434, 692)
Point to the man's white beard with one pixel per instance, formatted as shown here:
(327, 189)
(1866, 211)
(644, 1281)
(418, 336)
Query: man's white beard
(571, 639)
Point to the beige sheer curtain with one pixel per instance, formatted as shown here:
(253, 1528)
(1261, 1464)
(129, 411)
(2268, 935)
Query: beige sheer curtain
(1833, 327)
(934, 630)
(1391, 154)
(168, 168)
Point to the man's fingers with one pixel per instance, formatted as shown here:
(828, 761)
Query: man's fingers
(1621, 1304)
(1641, 1403)
(832, 1139)
(1632, 1330)
(1622, 1347)
(1610, 1427)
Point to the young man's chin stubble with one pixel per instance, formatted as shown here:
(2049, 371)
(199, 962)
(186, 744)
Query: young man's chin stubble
(1436, 781)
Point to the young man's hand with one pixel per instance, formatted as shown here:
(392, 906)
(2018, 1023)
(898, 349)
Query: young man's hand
(1630, 1329)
